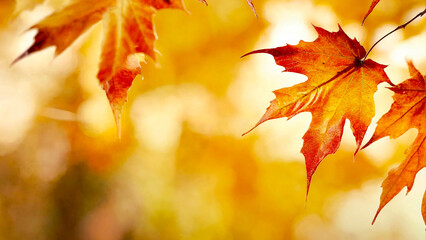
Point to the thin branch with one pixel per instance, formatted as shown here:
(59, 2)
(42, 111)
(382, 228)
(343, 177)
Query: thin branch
(396, 29)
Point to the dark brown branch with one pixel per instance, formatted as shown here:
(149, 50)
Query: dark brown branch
(396, 29)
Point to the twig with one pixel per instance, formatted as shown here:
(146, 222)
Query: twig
(396, 29)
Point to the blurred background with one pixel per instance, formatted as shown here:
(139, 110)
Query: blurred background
(182, 169)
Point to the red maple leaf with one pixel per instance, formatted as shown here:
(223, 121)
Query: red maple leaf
(340, 86)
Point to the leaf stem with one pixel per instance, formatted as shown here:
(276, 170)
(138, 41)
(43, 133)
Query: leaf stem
(396, 29)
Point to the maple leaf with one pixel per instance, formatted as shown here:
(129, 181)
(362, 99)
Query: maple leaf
(372, 6)
(407, 111)
(340, 86)
(129, 30)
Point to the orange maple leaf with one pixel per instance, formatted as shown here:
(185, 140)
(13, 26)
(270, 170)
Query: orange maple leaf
(129, 30)
(407, 111)
(340, 86)
(372, 6)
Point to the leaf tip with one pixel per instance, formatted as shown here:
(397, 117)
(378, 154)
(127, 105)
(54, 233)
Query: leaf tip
(264, 118)
(257, 124)
(242, 135)
(318, 29)
(24, 54)
(358, 148)
(117, 111)
(375, 216)
(367, 144)
(266, 50)
(362, 25)
(308, 185)
(249, 53)
(370, 9)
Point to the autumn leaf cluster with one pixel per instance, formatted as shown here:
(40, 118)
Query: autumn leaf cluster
(340, 86)
(341, 80)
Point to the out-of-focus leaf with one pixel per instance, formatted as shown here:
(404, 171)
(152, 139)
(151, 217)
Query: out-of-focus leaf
(129, 31)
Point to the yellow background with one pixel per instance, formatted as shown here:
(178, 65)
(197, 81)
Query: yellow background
(182, 169)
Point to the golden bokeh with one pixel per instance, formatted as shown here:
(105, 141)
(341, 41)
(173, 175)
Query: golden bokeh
(182, 170)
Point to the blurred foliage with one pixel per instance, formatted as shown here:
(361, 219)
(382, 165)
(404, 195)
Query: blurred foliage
(182, 169)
